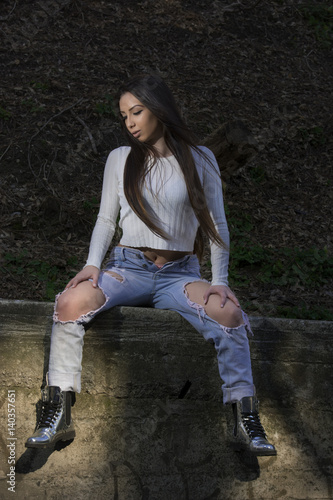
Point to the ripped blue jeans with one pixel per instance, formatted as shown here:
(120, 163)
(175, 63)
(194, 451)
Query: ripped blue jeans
(141, 283)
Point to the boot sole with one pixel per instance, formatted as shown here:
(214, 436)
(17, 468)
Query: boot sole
(67, 437)
(243, 447)
(262, 454)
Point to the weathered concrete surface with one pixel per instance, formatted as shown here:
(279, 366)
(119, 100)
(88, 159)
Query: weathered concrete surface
(141, 436)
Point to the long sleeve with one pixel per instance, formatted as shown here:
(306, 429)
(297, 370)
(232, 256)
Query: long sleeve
(214, 195)
(109, 208)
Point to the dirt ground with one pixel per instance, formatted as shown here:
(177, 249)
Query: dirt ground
(260, 62)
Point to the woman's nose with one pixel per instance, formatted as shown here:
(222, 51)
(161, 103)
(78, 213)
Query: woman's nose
(130, 122)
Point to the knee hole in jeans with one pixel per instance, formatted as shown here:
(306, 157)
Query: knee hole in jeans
(230, 316)
(71, 307)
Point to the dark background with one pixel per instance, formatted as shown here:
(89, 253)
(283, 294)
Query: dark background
(266, 63)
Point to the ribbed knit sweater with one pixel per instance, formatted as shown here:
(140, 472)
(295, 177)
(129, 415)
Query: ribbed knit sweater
(165, 195)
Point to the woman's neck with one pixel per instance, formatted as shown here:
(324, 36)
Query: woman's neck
(161, 148)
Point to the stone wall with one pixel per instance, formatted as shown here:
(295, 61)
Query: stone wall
(150, 422)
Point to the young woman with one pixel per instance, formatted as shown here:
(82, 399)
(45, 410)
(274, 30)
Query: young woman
(169, 194)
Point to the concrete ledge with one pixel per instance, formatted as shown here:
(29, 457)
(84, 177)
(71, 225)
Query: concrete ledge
(150, 420)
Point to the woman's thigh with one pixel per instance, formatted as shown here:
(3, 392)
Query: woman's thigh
(115, 287)
(230, 315)
(124, 286)
(185, 296)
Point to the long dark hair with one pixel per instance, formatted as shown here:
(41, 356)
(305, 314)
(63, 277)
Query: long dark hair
(153, 93)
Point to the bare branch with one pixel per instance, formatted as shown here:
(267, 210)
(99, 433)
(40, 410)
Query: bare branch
(232, 7)
(251, 6)
(93, 144)
(42, 128)
(55, 116)
(3, 154)
(4, 18)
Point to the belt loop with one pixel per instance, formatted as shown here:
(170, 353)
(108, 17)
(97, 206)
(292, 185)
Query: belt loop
(122, 253)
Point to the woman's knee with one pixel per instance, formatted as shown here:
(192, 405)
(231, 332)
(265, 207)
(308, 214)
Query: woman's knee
(233, 316)
(74, 302)
(229, 316)
(67, 300)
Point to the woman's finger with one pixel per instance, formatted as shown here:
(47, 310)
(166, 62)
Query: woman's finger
(234, 299)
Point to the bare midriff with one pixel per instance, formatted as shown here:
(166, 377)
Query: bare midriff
(160, 257)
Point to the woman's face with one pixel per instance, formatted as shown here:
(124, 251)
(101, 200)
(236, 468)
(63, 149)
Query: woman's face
(139, 121)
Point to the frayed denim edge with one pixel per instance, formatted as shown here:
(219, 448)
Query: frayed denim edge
(84, 318)
(202, 314)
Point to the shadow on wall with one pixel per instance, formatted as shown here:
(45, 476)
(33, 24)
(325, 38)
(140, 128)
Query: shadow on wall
(150, 421)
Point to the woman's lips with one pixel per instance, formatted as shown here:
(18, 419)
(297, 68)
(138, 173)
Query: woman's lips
(136, 134)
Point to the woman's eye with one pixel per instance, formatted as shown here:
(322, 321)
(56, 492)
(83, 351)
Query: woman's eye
(137, 112)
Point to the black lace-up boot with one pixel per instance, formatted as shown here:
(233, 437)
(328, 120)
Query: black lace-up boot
(248, 431)
(55, 423)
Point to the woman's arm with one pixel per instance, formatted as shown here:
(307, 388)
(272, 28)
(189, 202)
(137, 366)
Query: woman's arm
(108, 212)
(212, 185)
(219, 256)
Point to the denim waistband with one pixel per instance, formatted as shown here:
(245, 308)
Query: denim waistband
(124, 252)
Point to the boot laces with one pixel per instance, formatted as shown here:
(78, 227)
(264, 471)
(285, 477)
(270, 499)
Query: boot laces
(253, 425)
(49, 413)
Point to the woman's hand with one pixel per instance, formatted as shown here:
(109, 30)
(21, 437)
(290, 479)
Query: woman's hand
(223, 291)
(87, 273)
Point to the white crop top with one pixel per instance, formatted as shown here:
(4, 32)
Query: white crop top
(165, 195)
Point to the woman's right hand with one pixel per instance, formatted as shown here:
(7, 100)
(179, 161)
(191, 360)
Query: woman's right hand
(87, 273)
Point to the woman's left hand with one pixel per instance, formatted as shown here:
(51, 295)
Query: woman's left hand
(223, 291)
